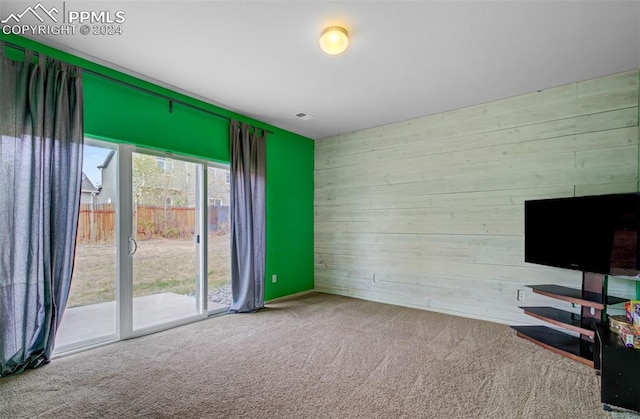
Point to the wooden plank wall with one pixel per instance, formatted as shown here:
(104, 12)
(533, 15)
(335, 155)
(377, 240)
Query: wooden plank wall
(429, 212)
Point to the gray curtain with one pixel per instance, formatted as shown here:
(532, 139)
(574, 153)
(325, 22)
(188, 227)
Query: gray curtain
(40, 174)
(248, 164)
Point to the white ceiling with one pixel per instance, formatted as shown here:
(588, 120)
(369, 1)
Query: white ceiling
(406, 59)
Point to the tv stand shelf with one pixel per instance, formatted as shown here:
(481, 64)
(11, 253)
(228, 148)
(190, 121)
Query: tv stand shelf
(593, 301)
(558, 342)
(576, 296)
(565, 319)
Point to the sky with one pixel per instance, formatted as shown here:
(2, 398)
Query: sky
(93, 157)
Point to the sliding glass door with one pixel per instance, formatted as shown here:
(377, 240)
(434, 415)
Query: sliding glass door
(165, 231)
(152, 248)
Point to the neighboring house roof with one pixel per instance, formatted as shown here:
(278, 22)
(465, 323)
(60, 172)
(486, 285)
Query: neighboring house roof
(107, 160)
(87, 185)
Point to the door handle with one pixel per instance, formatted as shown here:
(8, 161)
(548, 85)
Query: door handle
(135, 246)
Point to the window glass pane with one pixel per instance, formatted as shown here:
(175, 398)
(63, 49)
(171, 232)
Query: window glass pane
(164, 228)
(219, 258)
(90, 314)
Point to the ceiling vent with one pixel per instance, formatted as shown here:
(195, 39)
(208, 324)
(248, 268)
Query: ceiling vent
(303, 116)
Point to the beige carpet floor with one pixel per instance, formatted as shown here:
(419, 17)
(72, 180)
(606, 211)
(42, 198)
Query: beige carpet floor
(315, 356)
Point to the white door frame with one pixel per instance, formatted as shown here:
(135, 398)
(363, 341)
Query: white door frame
(123, 206)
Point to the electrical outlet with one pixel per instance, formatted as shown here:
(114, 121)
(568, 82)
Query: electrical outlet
(520, 296)
(274, 278)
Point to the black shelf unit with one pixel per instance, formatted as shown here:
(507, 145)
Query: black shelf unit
(593, 300)
(619, 370)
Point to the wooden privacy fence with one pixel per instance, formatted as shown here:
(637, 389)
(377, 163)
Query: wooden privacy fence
(96, 223)
(164, 222)
(218, 219)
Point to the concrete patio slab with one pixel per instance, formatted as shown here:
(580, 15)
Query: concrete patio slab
(99, 320)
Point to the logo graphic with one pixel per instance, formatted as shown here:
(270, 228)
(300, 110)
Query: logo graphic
(70, 22)
(34, 11)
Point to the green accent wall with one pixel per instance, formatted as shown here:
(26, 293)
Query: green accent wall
(289, 216)
(116, 112)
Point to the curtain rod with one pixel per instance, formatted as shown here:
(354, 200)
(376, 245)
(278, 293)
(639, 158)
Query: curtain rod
(147, 91)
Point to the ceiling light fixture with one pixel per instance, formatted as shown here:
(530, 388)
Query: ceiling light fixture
(334, 40)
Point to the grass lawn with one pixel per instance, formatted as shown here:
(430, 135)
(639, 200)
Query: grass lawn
(159, 265)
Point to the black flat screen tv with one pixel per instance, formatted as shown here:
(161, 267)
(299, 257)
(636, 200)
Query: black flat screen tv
(596, 234)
